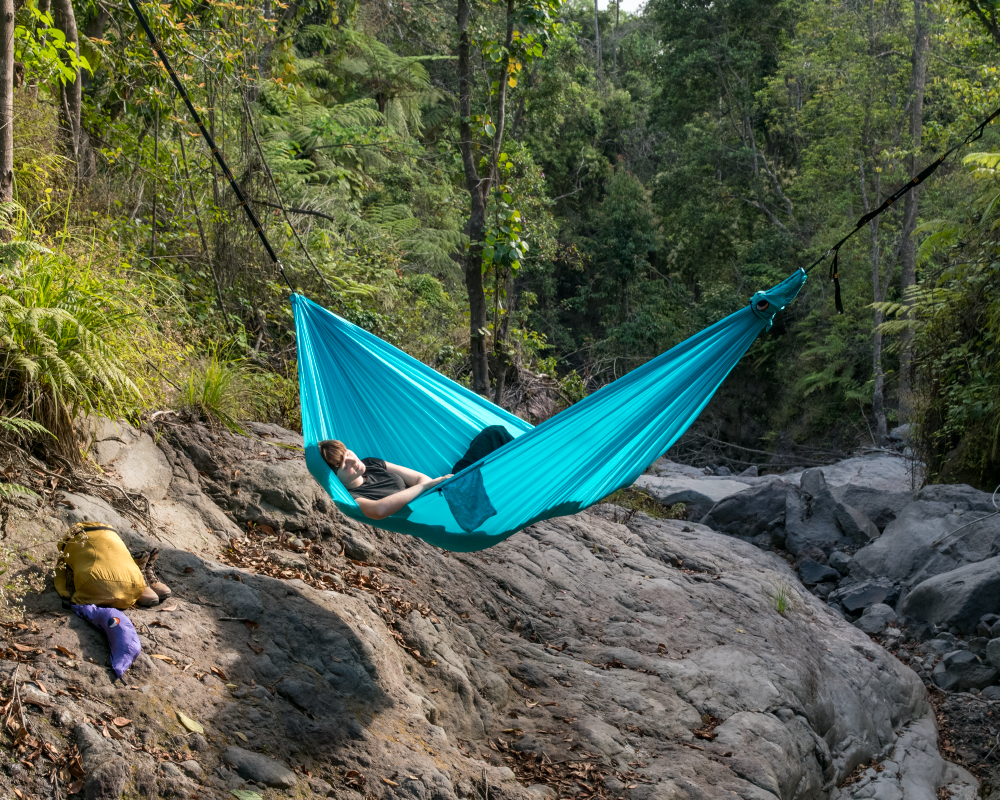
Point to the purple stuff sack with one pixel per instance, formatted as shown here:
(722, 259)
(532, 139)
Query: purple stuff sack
(122, 638)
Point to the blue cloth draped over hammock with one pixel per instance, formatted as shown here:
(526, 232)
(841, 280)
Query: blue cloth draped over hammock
(381, 402)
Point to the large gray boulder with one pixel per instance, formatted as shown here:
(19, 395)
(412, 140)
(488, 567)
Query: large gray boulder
(749, 513)
(879, 505)
(798, 517)
(882, 472)
(906, 552)
(815, 518)
(957, 598)
(698, 494)
(875, 619)
(856, 597)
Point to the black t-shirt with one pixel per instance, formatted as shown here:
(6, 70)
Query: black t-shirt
(379, 482)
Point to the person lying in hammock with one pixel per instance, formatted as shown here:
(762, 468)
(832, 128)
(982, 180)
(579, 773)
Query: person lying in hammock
(381, 489)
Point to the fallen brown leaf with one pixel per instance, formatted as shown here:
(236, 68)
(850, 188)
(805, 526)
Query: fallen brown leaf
(390, 783)
(121, 722)
(65, 651)
(169, 608)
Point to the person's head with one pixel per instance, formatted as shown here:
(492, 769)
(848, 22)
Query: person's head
(342, 461)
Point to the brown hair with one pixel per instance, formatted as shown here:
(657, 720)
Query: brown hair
(333, 453)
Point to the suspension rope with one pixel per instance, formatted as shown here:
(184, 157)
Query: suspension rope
(211, 142)
(923, 175)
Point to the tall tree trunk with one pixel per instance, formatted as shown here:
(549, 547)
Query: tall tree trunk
(477, 212)
(908, 254)
(880, 288)
(478, 187)
(878, 392)
(65, 20)
(618, 11)
(501, 335)
(94, 29)
(501, 330)
(597, 38)
(201, 233)
(156, 164)
(6, 100)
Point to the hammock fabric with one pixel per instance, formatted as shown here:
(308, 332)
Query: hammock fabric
(381, 402)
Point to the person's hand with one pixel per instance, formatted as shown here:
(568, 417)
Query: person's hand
(436, 481)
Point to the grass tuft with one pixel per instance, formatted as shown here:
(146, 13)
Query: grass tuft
(782, 598)
(218, 389)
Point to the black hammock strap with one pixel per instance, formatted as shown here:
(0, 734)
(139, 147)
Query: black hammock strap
(919, 178)
(210, 141)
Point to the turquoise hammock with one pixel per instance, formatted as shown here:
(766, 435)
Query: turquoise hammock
(381, 402)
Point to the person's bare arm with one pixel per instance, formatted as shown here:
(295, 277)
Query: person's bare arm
(387, 506)
(410, 476)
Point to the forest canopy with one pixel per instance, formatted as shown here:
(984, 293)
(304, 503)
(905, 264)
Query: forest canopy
(532, 196)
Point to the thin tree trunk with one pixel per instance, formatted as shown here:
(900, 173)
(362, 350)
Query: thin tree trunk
(880, 288)
(156, 164)
(65, 20)
(878, 393)
(597, 38)
(500, 330)
(201, 233)
(94, 29)
(501, 119)
(618, 10)
(501, 335)
(477, 212)
(921, 47)
(210, 88)
(6, 101)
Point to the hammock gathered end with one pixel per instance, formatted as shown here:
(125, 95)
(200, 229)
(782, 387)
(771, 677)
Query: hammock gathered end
(381, 402)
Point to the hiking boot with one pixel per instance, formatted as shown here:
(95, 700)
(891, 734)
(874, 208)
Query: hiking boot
(148, 599)
(154, 583)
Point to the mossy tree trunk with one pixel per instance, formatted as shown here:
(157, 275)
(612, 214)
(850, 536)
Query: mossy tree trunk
(6, 100)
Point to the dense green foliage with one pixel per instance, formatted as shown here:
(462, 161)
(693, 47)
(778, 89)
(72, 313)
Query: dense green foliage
(637, 195)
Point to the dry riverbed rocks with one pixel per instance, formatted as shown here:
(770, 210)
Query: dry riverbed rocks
(306, 655)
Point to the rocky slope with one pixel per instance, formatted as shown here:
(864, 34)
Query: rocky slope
(607, 654)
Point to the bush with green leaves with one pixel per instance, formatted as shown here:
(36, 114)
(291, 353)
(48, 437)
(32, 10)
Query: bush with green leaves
(64, 328)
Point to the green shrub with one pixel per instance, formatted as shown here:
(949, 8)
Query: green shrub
(63, 330)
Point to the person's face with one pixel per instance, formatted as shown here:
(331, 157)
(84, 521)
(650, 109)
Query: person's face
(351, 469)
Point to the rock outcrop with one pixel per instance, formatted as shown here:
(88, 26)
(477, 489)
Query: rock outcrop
(609, 654)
